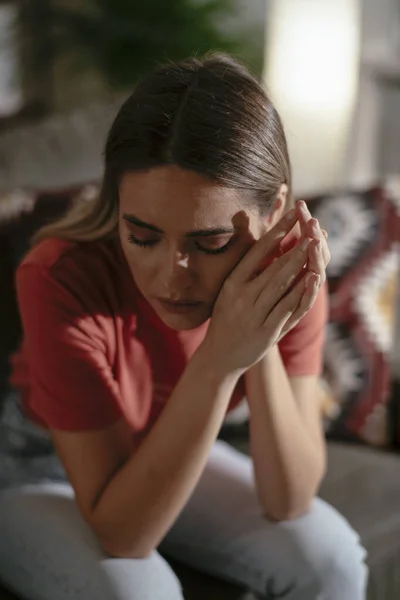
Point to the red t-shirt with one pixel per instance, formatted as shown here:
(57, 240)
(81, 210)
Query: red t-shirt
(94, 350)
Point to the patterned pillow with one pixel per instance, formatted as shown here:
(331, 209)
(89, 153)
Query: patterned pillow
(364, 234)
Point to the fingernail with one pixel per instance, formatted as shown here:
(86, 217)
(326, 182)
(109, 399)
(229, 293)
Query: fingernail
(305, 243)
(289, 216)
(315, 226)
(317, 280)
(318, 245)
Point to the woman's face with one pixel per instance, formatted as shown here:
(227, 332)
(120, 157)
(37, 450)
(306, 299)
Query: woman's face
(182, 234)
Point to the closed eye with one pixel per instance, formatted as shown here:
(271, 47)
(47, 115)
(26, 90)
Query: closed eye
(214, 248)
(142, 243)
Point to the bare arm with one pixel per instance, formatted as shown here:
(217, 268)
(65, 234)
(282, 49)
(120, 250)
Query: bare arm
(286, 439)
(131, 500)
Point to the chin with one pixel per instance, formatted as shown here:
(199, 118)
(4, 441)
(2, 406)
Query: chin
(184, 322)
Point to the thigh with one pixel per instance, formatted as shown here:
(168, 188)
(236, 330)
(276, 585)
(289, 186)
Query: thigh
(27, 454)
(222, 531)
(47, 551)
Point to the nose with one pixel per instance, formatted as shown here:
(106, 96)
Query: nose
(176, 274)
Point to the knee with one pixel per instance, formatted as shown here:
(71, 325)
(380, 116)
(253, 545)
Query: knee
(148, 579)
(335, 558)
(344, 573)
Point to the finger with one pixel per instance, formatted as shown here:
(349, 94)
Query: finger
(303, 215)
(316, 260)
(280, 315)
(276, 280)
(314, 230)
(312, 287)
(265, 246)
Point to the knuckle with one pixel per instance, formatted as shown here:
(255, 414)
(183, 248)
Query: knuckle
(278, 287)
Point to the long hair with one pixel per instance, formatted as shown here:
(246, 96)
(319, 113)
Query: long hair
(208, 115)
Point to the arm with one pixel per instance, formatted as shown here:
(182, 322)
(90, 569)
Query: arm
(131, 499)
(286, 440)
(131, 496)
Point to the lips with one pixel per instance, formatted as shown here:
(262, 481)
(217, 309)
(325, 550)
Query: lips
(178, 306)
(178, 302)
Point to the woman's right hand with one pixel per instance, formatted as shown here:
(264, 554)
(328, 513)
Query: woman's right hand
(252, 307)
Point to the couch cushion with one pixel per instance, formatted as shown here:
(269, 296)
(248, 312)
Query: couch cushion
(364, 485)
(364, 228)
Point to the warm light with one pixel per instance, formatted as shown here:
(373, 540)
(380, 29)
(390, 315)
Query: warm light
(312, 74)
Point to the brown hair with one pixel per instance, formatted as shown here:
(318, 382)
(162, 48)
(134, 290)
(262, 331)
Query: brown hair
(208, 115)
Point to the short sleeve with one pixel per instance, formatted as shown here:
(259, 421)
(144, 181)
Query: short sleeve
(302, 348)
(71, 382)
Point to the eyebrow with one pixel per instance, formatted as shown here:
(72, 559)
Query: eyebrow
(214, 231)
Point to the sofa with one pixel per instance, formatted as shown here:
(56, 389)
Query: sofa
(362, 481)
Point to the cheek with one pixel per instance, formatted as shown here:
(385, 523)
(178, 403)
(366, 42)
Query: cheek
(216, 269)
(140, 262)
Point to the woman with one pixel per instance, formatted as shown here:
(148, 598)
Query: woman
(148, 315)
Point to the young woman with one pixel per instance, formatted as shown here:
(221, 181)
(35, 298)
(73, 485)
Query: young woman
(148, 315)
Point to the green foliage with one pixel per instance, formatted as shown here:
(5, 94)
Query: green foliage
(122, 39)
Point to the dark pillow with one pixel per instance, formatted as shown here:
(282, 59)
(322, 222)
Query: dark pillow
(22, 213)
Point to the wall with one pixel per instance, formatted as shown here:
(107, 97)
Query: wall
(374, 145)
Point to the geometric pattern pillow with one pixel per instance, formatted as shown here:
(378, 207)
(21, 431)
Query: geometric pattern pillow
(364, 234)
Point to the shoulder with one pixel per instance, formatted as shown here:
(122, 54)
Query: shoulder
(302, 348)
(58, 256)
(89, 268)
(76, 280)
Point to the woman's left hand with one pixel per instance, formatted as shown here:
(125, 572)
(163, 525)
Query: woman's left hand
(319, 255)
(315, 270)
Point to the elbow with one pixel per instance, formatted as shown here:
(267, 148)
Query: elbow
(121, 549)
(133, 551)
(289, 505)
(118, 543)
(287, 512)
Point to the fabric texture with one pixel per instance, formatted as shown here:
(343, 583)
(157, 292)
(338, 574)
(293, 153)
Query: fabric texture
(220, 532)
(364, 235)
(95, 350)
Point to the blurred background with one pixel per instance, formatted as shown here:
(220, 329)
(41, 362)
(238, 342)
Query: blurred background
(332, 67)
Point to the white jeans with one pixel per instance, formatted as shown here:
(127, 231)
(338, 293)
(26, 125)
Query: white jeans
(47, 552)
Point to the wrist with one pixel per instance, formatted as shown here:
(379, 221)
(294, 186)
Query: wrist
(266, 362)
(213, 367)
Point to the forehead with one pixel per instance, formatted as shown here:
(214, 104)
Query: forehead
(174, 198)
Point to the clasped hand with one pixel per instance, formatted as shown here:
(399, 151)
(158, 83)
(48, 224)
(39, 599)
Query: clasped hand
(255, 309)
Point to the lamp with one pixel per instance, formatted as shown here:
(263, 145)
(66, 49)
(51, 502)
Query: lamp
(311, 74)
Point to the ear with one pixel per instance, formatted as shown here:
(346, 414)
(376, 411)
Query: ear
(279, 207)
